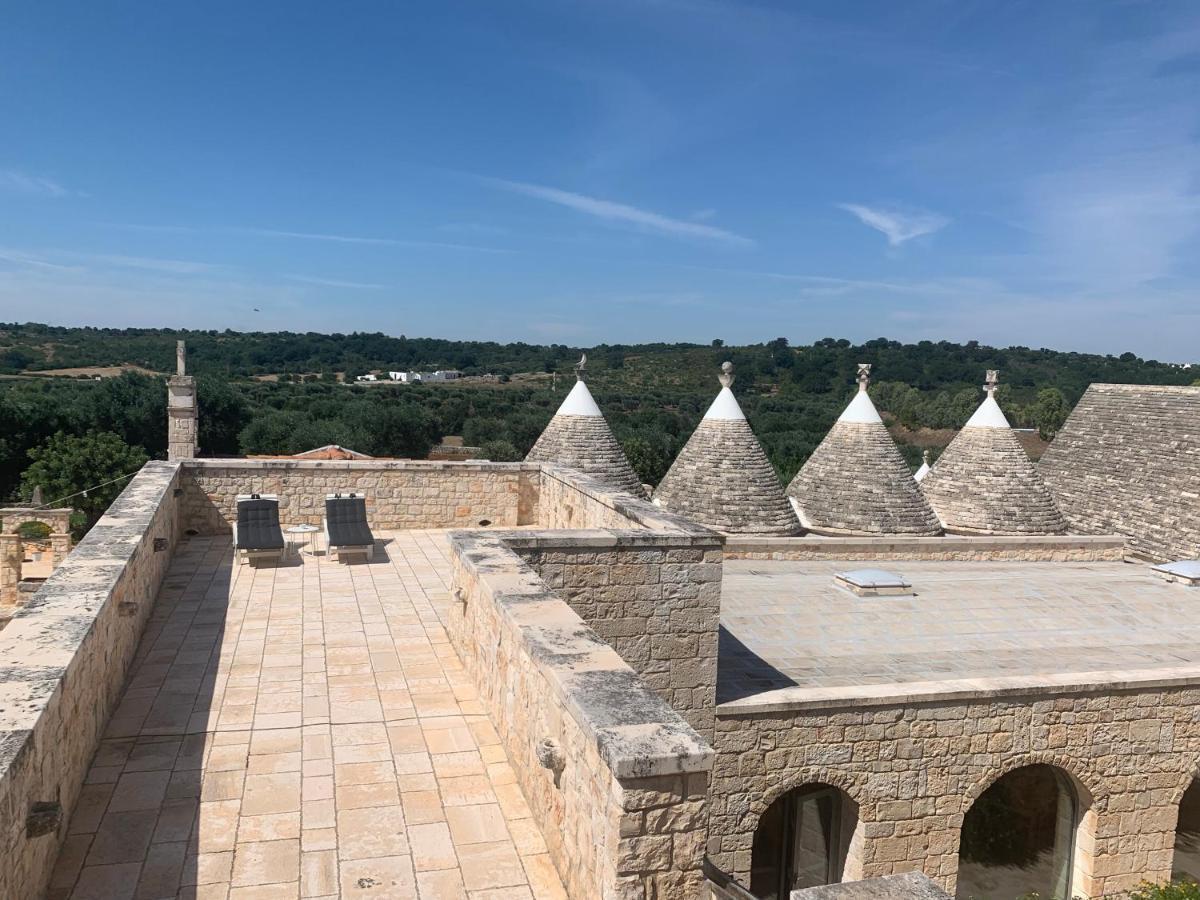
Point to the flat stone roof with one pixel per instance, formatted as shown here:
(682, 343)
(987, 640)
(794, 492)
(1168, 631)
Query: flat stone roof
(307, 730)
(791, 639)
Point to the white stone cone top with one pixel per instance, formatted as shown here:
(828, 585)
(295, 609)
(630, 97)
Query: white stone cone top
(579, 402)
(989, 415)
(725, 407)
(861, 411)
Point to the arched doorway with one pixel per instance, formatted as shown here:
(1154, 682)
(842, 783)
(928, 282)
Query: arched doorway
(1186, 864)
(1019, 837)
(802, 840)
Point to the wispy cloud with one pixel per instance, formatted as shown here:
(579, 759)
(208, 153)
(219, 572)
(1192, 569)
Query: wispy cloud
(897, 226)
(333, 282)
(152, 264)
(30, 260)
(621, 212)
(307, 236)
(24, 183)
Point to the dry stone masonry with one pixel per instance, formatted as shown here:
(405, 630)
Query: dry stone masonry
(1128, 461)
(579, 437)
(985, 483)
(856, 482)
(723, 479)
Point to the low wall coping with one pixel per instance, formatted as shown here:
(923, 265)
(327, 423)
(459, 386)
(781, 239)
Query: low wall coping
(799, 699)
(43, 637)
(603, 539)
(637, 733)
(418, 465)
(899, 543)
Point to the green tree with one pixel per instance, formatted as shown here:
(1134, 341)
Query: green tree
(500, 451)
(1049, 412)
(95, 462)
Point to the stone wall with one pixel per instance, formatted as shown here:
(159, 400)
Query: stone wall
(1036, 548)
(1127, 461)
(915, 769)
(570, 499)
(65, 656)
(400, 493)
(617, 779)
(654, 598)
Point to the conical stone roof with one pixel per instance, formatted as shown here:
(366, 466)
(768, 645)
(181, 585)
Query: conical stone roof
(579, 437)
(856, 482)
(722, 477)
(985, 483)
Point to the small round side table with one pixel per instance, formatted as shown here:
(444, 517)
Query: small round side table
(298, 538)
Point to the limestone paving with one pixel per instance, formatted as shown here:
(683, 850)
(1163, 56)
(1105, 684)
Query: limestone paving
(304, 730)
(786, 628)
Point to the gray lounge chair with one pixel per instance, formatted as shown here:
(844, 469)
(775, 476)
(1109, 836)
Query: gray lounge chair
(256, 533)
(346, 528)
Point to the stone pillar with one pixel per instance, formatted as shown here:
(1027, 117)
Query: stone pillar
(60, 546)
(11, 556)
(181, 409)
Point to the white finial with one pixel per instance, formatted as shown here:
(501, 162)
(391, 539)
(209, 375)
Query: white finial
(864, 375)
(992, 380)
(180, 358)
(726, 376)
(925, 457)
(579, 367)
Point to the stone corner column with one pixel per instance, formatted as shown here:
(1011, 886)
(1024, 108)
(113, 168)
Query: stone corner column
(181, 417)
(11, 556)
(60, 546)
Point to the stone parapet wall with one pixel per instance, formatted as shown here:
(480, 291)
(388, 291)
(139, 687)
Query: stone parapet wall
(654, 598)
(569, 498)
(400, 493)
(65, 657)
(914, 769)
(616, 778)
(1040, 548)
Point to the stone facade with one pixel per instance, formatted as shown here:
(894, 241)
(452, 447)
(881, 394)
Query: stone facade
(1128, 461)
(985, 483)
(654, 600)
(586, 443)
(915, 769)
(723, 479)
(856, 482)
(619, 781)
(66, 654)
(11, 550)
(400, 494)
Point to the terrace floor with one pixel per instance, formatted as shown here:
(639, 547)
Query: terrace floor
(302, 730)
(975, 626)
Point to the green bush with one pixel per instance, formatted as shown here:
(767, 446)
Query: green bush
(1172, 890)
(33, 531)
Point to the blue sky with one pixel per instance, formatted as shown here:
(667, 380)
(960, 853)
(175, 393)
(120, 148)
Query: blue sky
(578, 172)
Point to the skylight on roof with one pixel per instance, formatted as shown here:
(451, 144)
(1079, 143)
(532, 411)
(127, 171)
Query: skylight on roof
(873, 582)
(1185, 571)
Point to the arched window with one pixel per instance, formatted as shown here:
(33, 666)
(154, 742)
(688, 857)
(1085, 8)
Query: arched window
(801, 841)
(1018, 838)
(1186, 864)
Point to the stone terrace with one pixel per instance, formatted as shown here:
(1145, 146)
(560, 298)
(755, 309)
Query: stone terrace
(302, 731)
(791, 638)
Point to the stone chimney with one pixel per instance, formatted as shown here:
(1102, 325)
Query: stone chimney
(181, 409)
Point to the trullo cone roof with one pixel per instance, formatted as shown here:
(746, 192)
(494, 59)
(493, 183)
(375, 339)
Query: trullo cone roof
(722, 477)
(857, 483)
(985, 483)
(579, 437)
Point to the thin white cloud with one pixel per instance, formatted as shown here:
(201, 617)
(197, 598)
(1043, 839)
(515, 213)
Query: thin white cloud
(897, 226)
(308, 236)
(333, 282)
(621, 212)
(24, 183)
(152, 264)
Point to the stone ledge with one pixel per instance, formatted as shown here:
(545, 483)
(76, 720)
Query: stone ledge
(637, 733)
(858, 696)
(992, 547)
(358, 464)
